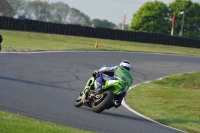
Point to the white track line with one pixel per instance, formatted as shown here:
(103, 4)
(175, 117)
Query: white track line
(41, 52)
(135, 112)
(34, 52)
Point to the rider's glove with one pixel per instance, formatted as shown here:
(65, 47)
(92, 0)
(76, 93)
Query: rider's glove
(95, 73)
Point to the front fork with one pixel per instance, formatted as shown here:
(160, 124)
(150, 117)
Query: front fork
(87, 87)
(89, 83)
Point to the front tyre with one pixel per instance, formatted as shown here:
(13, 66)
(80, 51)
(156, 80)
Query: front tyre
(78, 102)
(104, 102)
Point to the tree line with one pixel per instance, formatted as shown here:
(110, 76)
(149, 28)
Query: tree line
(57, 12)
(157, 17)
(151, 16)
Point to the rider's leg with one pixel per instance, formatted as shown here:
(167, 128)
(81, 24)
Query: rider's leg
(101, 79)
(119, 99)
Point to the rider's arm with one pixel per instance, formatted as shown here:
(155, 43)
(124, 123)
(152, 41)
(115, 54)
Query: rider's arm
(107, 68)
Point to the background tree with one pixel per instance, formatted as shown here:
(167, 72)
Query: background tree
(119, 26)
(191, 20)
(6, 9)
(103, 23)
(96, 23)
(18, 6)
(59, 11)
(107, 24)
(77, 17)
(37, 10)
(151, 17)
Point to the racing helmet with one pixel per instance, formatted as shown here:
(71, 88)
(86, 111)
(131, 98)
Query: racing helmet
(126, 64)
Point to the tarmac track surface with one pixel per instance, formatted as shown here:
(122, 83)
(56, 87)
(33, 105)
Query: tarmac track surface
(45, 85)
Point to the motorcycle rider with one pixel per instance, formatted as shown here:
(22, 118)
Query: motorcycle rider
(107, 72)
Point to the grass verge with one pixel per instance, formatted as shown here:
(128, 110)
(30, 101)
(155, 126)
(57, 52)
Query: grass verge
(173, 101)
(12, 123)
(28, 41)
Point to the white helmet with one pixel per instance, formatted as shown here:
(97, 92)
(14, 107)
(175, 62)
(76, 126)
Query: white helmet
(126, 64)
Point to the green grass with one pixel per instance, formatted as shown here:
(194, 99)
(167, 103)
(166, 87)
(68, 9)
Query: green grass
(12, 123)
(27, 41)
(173, 101)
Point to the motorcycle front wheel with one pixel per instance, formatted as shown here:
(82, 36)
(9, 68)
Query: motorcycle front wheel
(78, 102)
(105, 100)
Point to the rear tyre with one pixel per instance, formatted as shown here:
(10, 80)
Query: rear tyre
(104, 102)
(78, 102)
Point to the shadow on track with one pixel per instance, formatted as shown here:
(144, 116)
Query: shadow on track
(36, 83)
(125, 116)
(106, 113)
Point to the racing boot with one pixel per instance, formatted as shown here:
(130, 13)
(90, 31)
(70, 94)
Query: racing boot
(119, 99)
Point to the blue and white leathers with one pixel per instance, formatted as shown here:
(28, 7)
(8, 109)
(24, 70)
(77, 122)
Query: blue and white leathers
(108, 68)
(103, 77)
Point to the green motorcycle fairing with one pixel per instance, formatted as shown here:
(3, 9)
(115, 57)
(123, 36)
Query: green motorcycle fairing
(115, 86)
(90, 83)
(88, 86)
(124, 80)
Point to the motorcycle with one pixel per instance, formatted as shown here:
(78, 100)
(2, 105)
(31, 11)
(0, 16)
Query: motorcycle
(107, 95)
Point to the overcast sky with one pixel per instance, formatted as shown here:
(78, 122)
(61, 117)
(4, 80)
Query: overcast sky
(112, 10)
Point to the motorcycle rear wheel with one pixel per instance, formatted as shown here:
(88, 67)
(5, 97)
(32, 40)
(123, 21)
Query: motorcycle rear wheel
(106, 100)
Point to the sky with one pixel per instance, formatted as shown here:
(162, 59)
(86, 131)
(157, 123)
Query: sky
(111, 10)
